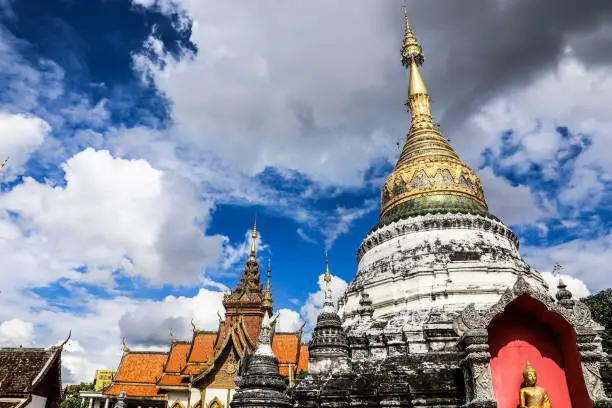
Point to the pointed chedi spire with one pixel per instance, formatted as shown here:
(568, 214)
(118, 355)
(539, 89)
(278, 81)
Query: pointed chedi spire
(269, 275)
(250, 277)
(328, 306)
(429, 176)
(253, 252)
(249, 291)
(264, 346)
(328, 349)
(266, 304)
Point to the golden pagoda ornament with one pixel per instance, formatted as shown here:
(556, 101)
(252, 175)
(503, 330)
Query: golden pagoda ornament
(429, 176)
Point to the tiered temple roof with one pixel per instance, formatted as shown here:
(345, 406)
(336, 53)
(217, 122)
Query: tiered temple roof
(25, 372)
(138, 374)
(212, 356)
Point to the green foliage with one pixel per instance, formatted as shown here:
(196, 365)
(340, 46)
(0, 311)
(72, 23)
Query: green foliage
(72, 399)
(302, 374)
(601, 309)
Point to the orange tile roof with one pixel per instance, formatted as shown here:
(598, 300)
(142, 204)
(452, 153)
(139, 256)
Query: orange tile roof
(203, 347)
(131, 390)
(178, 357)
(285, 347)
(284, 370)
(194, 368)
(172, 380)
(303, 361)
(141, 367)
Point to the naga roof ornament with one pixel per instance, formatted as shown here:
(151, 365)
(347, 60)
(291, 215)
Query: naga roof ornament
(429, 176)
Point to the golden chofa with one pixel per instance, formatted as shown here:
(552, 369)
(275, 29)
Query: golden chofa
(429, 176)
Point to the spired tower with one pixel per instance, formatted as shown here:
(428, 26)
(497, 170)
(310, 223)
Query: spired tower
(443, 312)
(328, 350)
(436, 245)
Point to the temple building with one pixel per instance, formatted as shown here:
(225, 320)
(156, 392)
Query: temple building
(201, 373)
(443, 311)
(31, 377)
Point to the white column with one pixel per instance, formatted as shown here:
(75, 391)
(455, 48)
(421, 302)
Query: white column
(106, 403)
(91, 402)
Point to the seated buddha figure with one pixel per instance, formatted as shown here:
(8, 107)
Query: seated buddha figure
(532, 395)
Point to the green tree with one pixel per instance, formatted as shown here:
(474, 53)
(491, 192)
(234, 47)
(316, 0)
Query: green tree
(72, 399)
(601, 309)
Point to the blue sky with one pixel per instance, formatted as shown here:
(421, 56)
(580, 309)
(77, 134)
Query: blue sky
(145, 136)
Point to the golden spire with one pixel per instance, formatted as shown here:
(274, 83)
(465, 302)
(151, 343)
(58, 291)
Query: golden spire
(411, 49)
(253, 253)
(327, 278)
(429, 176)
(267, 300)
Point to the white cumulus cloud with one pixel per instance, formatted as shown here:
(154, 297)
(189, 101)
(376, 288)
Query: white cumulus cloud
(16, 333)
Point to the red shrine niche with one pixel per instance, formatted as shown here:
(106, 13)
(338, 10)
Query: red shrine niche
(527, 330)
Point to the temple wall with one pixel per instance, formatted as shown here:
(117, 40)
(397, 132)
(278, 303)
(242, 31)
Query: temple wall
(223, 394)
(183, 397)
(37, 402)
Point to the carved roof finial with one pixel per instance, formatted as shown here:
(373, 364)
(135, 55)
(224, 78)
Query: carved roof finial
(126, 349)
(193, 326)
(61, 346)
(171, 334)
(3, 163)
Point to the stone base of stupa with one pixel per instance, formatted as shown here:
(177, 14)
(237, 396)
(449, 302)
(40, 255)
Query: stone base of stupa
(471, 358)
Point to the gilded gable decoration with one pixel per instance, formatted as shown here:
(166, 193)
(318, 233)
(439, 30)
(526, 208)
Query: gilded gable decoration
(215, 403)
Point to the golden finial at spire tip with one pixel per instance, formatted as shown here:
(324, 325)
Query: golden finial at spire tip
(411, 49)
(254, 239)
(327, 276)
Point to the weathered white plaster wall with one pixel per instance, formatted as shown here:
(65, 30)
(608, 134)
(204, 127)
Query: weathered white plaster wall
(417, 264)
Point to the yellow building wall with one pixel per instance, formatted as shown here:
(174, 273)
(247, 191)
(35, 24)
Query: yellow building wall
(103, 379)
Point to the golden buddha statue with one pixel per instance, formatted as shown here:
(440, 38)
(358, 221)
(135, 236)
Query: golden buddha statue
(532, 395)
